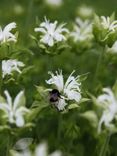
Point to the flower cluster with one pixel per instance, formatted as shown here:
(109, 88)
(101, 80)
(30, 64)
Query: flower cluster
(108, 24)
(6, 35)
(109, 104)
(70, 90)
(82, 30)
(51, 34)
(104, 29)
(8, 66)
(14, 111)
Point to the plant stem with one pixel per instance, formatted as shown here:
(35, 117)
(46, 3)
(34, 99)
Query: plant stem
(98, 65)
(0, 76)
(59, 127)
(105, 145)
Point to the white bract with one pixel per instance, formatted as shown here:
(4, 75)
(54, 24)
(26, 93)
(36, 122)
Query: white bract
(113, 49)
(8, 66)
(6, 35)
(82, 30)
(41, 150)
(56, 3)
(69, 90)
(14, 111)
(108, 24)
(51, 34)
(109, 103)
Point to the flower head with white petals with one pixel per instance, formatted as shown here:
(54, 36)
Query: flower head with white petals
(69, 90)
(6, 35)
(109, 103)
(14, 111)
(8, 66)
(41, 150)
(51, 34)
(105, 30)
(82, 30)
(107, 23)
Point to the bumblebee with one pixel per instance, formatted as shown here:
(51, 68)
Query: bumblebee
(54, 96)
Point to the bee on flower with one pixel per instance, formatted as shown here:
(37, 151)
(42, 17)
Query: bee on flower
(9, 66)
(51, 33)
(109, 103)
(14, 111)
(64, 91)
(6, 35)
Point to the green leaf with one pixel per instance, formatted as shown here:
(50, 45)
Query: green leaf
(73, 131)
(16, 34)
(84, 100)
(91, 117)
(2, 99)
(35, 111)
(32, 37)
(112, 17)
(25, 70)
(115, 89)
(4, 127)
(83, 77)
(42, 92)
(73, 106)
(42, 46)
(20, 99)
(93, 98)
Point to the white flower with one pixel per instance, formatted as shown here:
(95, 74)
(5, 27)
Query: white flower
(14, 111)
(41, 150)
(6, 35)
(23, 144)
(8, 66)
(108, 24)
(51, 33)
(82, 30)
(56, 3)
(70, 90)
(85, 11)
(109, 103)
(113, 49)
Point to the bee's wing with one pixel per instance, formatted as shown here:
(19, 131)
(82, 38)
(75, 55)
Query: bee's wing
(23, 143)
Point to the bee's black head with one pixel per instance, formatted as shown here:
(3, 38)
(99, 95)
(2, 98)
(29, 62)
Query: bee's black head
(54, 95)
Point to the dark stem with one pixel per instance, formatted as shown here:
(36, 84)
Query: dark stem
(99, 62)
(0, 76)
(105, 145)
